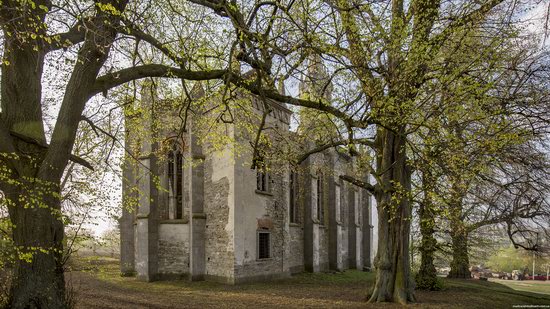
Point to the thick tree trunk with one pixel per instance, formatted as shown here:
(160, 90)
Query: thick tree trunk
(36, 168)
(460, 265)
(426, 279)
(393, 280)
(38, 235)
(33, 201)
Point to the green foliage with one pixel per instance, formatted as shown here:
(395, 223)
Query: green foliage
(509, 259)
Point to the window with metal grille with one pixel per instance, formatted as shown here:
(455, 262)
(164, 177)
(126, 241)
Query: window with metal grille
(264, 250)
(175, 182)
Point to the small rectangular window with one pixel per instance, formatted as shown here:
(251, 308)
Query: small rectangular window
(264, 249)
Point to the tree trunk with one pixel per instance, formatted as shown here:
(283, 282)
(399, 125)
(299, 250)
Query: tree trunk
(426, 279)
(37, 234)
(33, 201)
(393, 280)
(460, 265)
(35, 168)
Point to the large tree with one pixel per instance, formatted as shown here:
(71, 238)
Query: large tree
(33, 162)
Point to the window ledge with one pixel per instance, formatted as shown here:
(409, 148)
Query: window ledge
(294, 224)
(174, 221)
(264, 260)
(264, 192)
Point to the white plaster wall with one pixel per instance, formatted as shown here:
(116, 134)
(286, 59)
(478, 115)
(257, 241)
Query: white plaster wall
(251, 206)
(374, 214)
(219, 251)
(173, 248)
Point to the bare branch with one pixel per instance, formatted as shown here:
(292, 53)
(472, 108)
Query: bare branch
(360, 141)
(111, 80)
(365, 185)
(134, 30)
(318, 105)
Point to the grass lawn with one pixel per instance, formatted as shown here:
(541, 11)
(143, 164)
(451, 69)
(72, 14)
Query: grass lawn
(97, 284)
(536, 286)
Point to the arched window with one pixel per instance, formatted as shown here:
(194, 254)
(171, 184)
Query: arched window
(175, 182)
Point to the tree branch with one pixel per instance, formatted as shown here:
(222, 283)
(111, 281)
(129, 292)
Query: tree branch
(361, 141)
(465, 20)
(365, 185)
(74, 36)
(318, 105)
(33, 141)
(118, 78)
(133, 30)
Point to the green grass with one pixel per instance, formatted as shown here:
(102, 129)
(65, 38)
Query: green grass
(320, 290)
(542, 287)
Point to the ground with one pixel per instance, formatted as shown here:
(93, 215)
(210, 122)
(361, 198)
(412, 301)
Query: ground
(96, 284)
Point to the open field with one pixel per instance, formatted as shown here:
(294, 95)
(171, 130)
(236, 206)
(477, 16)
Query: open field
(97, 284)
(536, 286)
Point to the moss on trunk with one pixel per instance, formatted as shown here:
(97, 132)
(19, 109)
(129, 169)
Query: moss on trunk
(38, 236)
(393, 280)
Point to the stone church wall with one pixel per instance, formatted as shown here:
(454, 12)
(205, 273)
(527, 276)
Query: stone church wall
(173, 254)
(296, 258)
(259, 212)
(218, 198)
(323, 248)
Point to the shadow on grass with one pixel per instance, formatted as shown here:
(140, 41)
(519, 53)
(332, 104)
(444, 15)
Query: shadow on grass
(345, 290)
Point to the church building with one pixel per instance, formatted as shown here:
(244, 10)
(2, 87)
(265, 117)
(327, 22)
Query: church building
(200, 213)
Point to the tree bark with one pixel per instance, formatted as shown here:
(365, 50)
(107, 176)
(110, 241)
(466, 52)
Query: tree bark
(38, 236)
(426, 279)
(33, 201)
(460, 265)
(393, 280)
(32, 186)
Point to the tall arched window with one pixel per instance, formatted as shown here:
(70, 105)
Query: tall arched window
(320, 198)
(175, 182)
(293, 187)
